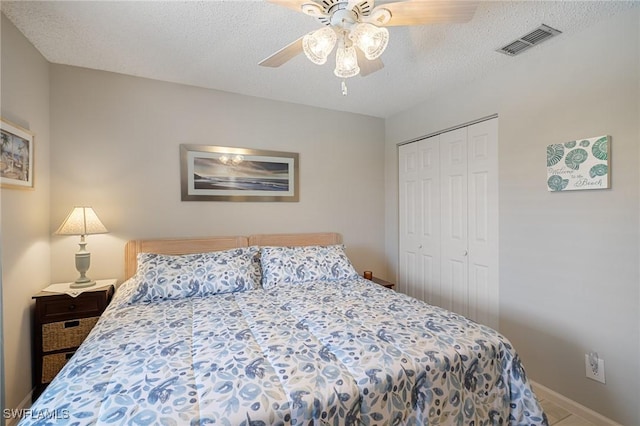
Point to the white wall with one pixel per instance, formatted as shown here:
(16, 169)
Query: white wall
(569, 275)
(24, 213)
(117, 143)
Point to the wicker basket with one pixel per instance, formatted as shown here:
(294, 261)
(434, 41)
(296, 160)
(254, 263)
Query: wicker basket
(52, 364)
(66, 334)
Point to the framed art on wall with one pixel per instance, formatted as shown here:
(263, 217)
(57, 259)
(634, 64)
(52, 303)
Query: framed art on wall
(218, 173)
(579, 164)
(16, 156)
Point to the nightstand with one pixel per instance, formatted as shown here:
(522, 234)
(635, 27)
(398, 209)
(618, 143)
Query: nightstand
(61, 323)
(382, 282)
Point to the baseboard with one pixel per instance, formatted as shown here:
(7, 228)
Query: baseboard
(543, 392)
(24, 405)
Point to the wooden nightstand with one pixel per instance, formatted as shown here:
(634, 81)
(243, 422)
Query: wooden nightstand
(382, 282)
(61, 323)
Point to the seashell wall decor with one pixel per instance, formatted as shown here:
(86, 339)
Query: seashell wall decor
(579, 164)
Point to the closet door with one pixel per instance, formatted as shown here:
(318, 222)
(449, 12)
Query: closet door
(419, 175)
(483, 291)
(454, 244)
(409, 241)
(449, 221)
(428, 215)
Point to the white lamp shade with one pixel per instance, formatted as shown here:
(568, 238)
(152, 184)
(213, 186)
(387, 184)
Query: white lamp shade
(346, 62)
(81, 221)
(370, 39)
(318, 44)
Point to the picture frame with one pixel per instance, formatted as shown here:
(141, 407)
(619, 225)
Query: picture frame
(580, 164)
(16, 156)
(218, 173)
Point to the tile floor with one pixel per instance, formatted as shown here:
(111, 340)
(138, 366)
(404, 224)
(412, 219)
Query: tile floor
(558, 416)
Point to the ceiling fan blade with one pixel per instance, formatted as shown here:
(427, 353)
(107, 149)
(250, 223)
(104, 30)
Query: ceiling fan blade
(420, 12)
(283, 55)
(368, 66)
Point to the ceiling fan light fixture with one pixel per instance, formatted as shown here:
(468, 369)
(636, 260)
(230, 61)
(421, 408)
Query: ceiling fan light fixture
(370, 39)
(346, 62)
(317, 45)
(360, 26)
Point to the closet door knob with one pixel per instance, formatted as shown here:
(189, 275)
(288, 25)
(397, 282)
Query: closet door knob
(465, 253)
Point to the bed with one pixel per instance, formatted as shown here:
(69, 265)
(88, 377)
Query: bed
(280, 330)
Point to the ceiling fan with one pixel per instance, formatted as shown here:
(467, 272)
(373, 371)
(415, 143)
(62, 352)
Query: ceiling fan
(358, 28)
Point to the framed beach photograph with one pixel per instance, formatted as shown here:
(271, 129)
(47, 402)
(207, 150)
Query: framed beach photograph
(218, 173)
(16, 156)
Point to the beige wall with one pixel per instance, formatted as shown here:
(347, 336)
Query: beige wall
(117, 143)
(569, 277)
(569, 262)
(24, 214)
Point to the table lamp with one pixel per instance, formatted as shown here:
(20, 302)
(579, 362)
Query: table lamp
(82, 221)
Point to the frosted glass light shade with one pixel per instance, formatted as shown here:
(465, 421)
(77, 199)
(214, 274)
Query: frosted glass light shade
(346, 62)
(318, 44)
(370, 39)
(81, 221)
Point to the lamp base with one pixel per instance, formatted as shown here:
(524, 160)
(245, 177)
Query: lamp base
(83, 260)
(82, 284)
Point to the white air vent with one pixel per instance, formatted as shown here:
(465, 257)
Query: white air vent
(535, 37)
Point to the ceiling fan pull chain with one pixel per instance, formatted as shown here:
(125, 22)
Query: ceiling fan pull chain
(344, 88)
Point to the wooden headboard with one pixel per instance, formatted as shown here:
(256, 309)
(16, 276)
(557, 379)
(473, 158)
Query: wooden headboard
(203, 245)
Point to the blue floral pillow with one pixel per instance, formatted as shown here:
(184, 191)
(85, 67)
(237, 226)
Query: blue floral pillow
(298, 265)
(162, 276)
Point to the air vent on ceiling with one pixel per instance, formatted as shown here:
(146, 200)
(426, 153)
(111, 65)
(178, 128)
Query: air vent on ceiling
(533, 38)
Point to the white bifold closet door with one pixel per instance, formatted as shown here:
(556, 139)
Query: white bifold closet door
(449, 221)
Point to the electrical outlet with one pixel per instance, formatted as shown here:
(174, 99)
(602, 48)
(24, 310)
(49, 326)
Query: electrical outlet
(594, 367)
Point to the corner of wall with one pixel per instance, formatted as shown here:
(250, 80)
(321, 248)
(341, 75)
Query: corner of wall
(24, 214)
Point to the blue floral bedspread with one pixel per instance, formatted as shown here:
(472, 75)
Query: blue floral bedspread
(341, 353)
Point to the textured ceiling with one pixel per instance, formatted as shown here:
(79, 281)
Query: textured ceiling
(218, 44)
